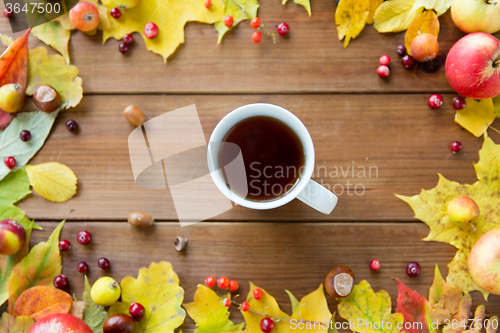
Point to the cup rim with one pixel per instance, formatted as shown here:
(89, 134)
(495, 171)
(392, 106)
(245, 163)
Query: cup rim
(262, 109)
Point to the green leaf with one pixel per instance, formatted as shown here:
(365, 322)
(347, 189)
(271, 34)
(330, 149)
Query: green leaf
(13, 188)
(38, 123)
(304, 3)
(38, 268)
(332, 327)
(10, 324)
(293, 300)
(235, 8)
(93, 315)
(53, 34)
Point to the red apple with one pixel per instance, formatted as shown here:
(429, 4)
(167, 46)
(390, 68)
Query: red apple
(476, 15)
(84, 16)
(484, 262)
(473, 66)
(60, 323)
(12, 237)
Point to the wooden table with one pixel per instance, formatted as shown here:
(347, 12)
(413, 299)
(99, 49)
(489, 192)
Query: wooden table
(355, 119)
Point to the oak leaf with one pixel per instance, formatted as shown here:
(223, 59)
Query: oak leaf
(38, 268)
(210, 315)
(11, 324)
(240, 10)
(477, 115)
(157, 289)
(351, 17)
(53, 34)
(427, 22)
(304, 3)
(395, 15)
(430, 206)
(415, 310)
(42, 301)
(170, 17)
(53, 181)
(93, 315)
(365, 309)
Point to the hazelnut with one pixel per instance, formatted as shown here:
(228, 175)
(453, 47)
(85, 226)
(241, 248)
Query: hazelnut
(339, 282)
(140, 219)
(134, 115)
(180, 243)
(46, 98)
(119, 323)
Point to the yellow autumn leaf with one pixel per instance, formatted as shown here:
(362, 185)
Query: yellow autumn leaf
(496, 105)
(364, 309)
(169, 15)
(430, 206)
(53, 34)
(477, 116)
(304, 3)
(427, 22)
(351, 17)
(374, 4)
(313, 310)
(440, 6)
(157, 289)
(240, 10)
(53, 181)
(395, 15)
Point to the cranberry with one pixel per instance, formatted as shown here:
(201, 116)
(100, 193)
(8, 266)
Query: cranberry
(258, 294)
(123, 47)
(401, 50)
(228, 21)
(82, 267)
(435, 101)
(283, 29)
(61, 282)
(136, 311)
(257, 37)
(8, 12)
(223, 282)
(383, 71)
(255, 22)
(385, 60)
(10, 162)
(103, 263)
(84, 237)
(233, 286)
(459, 103)
(375, 265)
(413, 269)
(25, 136)
(208, 4)
(227, 302)
(71, 125)
(245, 306)
(151, 30)
(267, 325)
(64, 245)
(128, 38)
(456, 147)
(408, 61)
(210, 281)
(116, 13)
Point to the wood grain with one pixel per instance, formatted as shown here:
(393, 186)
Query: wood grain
(309, 59)
(399, 136)
(274, 256)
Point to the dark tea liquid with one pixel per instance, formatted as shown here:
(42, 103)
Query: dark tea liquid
(273, 156)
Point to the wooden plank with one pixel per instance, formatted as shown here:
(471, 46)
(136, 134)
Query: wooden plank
(399, 136)
(310, 59)
(274, 256)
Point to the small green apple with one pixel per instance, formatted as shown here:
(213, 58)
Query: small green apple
(462, 210)
(12, 97)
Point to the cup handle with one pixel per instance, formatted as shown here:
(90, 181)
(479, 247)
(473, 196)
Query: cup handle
(318, 197)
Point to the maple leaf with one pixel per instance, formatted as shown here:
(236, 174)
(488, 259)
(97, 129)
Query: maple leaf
(427, 22)
(430, 206)
(351, 17)
(477, 115)
(364, 309)
(170, 16)
(240, 10)
(11, 324)
(210, 315)
(53, 181)
(304, 3)
(157, 289)
(415, 310)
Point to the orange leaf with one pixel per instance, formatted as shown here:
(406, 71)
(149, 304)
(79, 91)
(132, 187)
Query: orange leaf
(42, 301)
(426, 22)
(14, 69)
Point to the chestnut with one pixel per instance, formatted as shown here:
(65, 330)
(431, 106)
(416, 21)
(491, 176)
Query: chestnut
(339, 282)
(46, 98)
(119, 323)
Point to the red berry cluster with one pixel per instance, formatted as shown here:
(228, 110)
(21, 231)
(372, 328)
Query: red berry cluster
(283, 29)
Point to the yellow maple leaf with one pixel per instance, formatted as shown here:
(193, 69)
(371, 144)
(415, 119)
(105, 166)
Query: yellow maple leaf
(304, 3)
(351, 17)
(240, 10)
(169, 15)
(477, 115)
(157, 289)
(53, 181)
(395, 15)
(366, 310)
(427, 22)
(430, 206)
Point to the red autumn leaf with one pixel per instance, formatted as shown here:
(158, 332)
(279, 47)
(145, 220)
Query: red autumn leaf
(414, 308)
(42, 301)
(14, 69)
